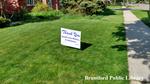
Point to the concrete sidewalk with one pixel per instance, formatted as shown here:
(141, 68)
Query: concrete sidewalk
(140, 6)
(138, 42)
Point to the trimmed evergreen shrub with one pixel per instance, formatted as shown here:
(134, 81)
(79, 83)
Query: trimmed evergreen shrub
(88, 7)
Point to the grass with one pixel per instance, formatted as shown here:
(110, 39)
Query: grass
(31, 53)
(143, 15)
(114, 6)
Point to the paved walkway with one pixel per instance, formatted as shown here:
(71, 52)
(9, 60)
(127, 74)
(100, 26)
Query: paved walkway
(138, 41)
(140, 6)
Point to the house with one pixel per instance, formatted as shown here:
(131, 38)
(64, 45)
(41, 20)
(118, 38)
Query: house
(51, 3)
(11, 6)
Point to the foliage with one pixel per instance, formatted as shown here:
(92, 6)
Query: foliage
(4, 22)
(42, 12)
(9, 7)
(19, 16)
(91, 8)
(46, 13)
(43, 15)
(88, 7)
(12, 9)
(40, 7)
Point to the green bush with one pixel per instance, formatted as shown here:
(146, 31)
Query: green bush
(100, 5)
(42, 12)
(71, 7)
(44, 15)
(88, 7)
(4, 22)
(39, 7)
(19, 16)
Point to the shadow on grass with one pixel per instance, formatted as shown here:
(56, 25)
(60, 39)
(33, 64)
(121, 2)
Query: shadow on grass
(146, 20)
(40, 18)
(120, 33)
(121, 36)
(32, 19)
(85, 45)
(107, 12)
(120, 47)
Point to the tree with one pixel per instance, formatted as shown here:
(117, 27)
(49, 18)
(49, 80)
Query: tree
(2, 6)
(9, 7)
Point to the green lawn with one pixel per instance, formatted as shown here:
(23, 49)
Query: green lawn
(31, 53)
(143, 15)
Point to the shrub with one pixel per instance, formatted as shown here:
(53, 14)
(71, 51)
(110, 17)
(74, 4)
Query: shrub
(100, 5)
(19, 16)
(40, 7)
(71, 7)
(42, 12)
(44, 15)
(88, 7)
(4, 22)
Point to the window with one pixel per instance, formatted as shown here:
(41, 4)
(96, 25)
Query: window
(30, 2)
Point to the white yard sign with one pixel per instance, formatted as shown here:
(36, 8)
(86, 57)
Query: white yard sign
(71, 38)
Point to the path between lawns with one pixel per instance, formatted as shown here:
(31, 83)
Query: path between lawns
(138, 42)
